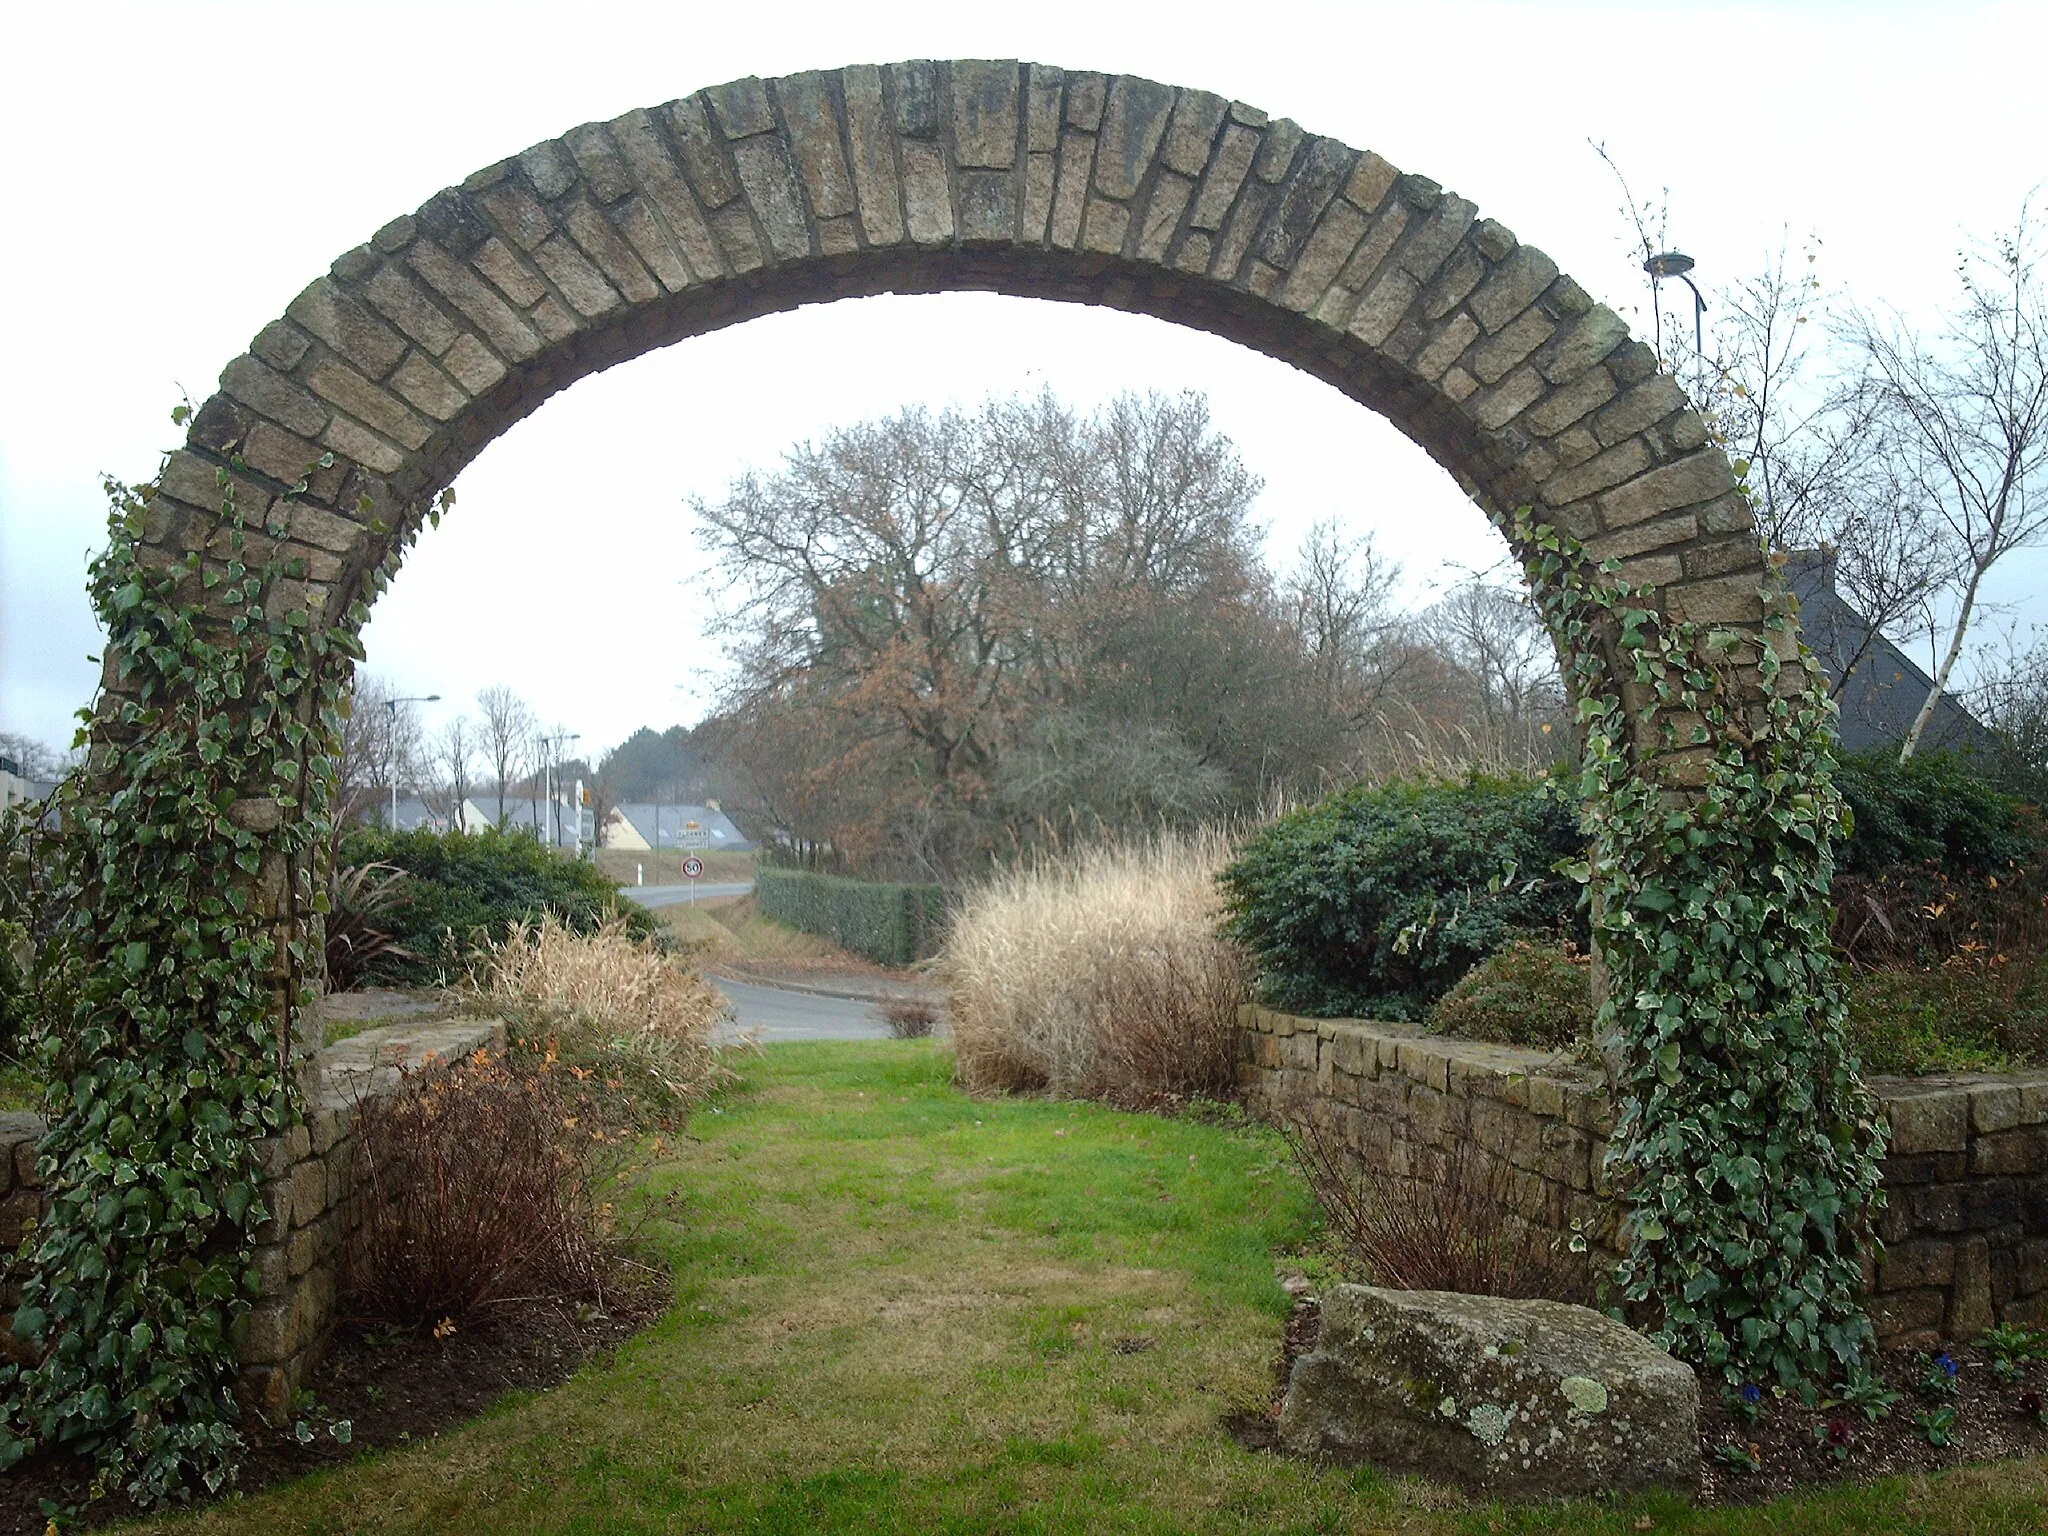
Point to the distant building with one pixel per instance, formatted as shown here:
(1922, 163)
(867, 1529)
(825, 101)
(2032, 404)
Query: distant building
(1885, 687)
(415, 815)
(532, 817)
(17, 788)
(639, 827)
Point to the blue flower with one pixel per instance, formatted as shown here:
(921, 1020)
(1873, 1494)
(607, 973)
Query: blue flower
(1752, 1393)
(1946, 1362)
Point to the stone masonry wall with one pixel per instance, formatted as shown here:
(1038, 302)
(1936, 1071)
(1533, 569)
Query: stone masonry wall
(1965, 1229)
(306, 1186)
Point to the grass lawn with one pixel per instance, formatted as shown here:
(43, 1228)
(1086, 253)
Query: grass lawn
(899, 1310)
(19, 1087)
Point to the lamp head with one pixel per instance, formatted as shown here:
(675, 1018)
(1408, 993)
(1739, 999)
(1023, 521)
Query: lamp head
(1668, 264)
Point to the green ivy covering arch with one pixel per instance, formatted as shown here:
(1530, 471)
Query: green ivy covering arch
(1746, 1147)
(180, 904)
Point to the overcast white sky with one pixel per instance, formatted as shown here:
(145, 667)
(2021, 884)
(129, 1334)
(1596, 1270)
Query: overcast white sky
(178, 172)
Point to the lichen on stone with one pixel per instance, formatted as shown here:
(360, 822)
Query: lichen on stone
(1488, 1423)
(1584, 1394)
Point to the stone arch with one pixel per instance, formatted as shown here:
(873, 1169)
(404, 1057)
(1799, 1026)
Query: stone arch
(454, 322)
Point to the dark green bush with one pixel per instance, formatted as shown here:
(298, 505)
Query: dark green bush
(465, 889)
(1531, 993)
(1377, 899)
(1937, 808)
(886, 922)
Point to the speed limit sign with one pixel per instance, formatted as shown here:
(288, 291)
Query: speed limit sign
(693, 867)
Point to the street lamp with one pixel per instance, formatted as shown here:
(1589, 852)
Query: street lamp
(390, 742)
(1675, 264)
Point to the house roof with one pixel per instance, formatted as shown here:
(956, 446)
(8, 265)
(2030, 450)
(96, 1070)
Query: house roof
(719, 829)
(1885, 687)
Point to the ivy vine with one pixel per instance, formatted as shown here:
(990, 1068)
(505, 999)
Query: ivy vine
(1746, 1147)
(174, 962)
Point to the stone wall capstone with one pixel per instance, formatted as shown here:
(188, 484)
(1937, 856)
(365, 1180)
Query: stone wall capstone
(1965, 1225)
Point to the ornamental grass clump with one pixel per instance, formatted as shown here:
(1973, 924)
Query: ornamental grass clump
(1099, 974)
(609, 995)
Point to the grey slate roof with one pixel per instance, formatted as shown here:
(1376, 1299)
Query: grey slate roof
(723, 834)
(1886, 687)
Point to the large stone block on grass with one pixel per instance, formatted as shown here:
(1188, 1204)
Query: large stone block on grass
(1512, 1398)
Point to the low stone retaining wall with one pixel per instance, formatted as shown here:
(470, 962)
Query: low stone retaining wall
(1965, 1227)
(306, 1185)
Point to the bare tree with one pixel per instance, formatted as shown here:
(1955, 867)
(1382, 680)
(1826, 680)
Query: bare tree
(32, 758)
(455, 752)
(1808, 444)
(508, 728)
(1340, 601)
(381, 748)
(1491, 634)
(922, 590)
(1963, 426)
(2011, 696)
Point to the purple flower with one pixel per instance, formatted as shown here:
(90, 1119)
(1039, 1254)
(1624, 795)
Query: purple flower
(2030, 1403)
(1752, 1393)
(1946, 1362)
(1839, 1432)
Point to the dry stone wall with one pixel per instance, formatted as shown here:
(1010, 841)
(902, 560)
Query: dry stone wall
(1965, 1226)
(307, 1175)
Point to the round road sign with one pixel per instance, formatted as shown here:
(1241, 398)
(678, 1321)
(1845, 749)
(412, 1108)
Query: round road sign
(693, 867)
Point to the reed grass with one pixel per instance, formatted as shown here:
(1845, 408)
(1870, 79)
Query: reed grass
(1099, 974)
(607, 993)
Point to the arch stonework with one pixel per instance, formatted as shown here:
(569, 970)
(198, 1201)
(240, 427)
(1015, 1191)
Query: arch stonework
(456, 321)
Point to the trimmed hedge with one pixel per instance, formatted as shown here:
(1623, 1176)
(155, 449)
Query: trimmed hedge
(468, 888)
(1374, 901)
(886, 922)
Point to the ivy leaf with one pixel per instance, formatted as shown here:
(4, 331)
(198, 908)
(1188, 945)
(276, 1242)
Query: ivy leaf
(1667, 1062)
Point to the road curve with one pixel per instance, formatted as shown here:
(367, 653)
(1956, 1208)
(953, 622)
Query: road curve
(771, 1014)
(655, 896)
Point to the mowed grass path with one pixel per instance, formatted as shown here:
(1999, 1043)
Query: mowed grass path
(899, 1309)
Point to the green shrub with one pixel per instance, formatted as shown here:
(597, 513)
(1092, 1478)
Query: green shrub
(467, 890)
(1530, 993)
(1377, 899)
(1937, 808)
(886, 922)
(1962, 1017)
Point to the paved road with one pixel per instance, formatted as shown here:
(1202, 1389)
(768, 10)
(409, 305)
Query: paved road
(676, 895)
(771, 1014)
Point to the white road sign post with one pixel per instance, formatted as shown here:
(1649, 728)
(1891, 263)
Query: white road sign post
(692, 868)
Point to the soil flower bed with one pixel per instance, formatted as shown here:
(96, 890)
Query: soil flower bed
(381, 1389)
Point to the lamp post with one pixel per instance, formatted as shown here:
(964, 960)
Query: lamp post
(1676, 264)
(391, 745)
